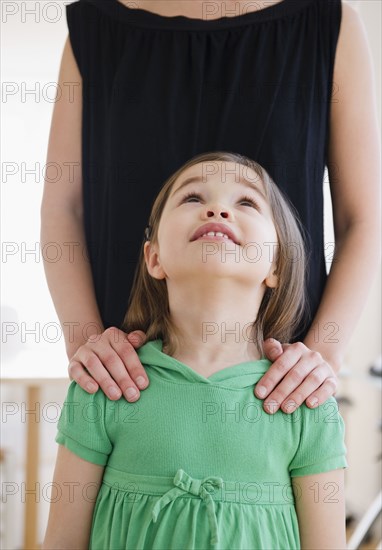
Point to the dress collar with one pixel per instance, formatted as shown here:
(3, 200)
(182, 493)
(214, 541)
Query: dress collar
(240, 375)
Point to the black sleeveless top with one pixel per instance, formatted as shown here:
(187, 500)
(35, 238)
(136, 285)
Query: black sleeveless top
(158, 90)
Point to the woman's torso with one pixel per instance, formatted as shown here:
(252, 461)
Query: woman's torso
(159, 90)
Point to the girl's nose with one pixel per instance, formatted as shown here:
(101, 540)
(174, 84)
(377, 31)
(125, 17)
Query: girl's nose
(224, 212)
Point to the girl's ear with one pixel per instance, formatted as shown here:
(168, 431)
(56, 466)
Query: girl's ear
(272, 280)
(152, 261)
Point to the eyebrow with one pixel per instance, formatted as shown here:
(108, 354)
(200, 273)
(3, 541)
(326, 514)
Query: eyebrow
(243, 181)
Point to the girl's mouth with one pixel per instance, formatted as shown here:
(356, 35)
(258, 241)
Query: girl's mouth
(215, 236)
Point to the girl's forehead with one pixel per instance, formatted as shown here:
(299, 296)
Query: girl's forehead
(225, 170)
(220, 171)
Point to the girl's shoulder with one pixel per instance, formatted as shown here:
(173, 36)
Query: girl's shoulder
(77, 396)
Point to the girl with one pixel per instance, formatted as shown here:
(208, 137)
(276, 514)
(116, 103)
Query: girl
(197, 463)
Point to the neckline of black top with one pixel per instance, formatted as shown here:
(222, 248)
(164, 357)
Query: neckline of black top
(138, 17)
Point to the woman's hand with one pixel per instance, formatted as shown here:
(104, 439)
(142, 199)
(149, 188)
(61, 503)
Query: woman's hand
(297, 372)
(109, 360)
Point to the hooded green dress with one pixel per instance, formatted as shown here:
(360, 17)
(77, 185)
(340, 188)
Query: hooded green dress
(196, 463)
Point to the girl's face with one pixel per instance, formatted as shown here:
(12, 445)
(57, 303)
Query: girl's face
(227, 194)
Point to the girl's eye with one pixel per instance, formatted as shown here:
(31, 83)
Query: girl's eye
(251, 201)
(198, 196)
(191, 196)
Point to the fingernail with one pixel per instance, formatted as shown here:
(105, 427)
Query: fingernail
(142, 383)
(313, 402)
(131, 392)
(91, 387)
(114, 393)
(272, 406)
(261, 391)
(289, 407)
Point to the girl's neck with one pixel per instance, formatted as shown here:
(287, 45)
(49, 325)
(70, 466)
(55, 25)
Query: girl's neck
(200, 9)
(213, 325)
(207, 367)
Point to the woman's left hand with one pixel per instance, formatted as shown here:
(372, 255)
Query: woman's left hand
(297, 373)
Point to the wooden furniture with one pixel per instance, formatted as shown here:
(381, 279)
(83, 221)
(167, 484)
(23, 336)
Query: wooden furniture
(34, 369)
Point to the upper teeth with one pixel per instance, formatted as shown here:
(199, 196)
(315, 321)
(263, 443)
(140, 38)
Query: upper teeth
(215, 234)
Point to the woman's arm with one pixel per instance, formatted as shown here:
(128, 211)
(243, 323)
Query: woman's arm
(320, 507)
(69, 278)
(89, 348)
(354, 171)
(355, 174)
(75, 487)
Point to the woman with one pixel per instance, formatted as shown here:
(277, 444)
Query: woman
(290, 84)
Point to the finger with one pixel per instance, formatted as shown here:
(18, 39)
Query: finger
(311, 383)
(279, 369)
(129, 370)
(78, 373)
(137, 338)
(322, 394)
(293, 380)
(100, 362)
(272, 349)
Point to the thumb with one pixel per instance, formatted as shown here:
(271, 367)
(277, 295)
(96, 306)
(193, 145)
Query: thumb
(272, 349)
(137, 338)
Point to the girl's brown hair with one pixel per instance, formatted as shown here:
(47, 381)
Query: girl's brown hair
(281, 309)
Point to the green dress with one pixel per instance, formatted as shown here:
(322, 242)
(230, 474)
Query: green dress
(196, 463)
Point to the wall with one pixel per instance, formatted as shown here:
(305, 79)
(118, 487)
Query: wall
(33, 45)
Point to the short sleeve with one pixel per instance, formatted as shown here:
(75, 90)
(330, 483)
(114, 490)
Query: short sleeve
(331, 17)
(85, 28)
(74, 16)
(81, 426)
(322, 440)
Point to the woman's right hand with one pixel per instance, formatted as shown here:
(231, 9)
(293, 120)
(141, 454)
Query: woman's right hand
(109, 360)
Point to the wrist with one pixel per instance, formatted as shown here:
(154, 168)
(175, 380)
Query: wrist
(72, 348)
(77, 338)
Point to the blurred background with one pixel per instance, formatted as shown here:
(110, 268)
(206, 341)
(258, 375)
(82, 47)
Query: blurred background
(34, 362)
